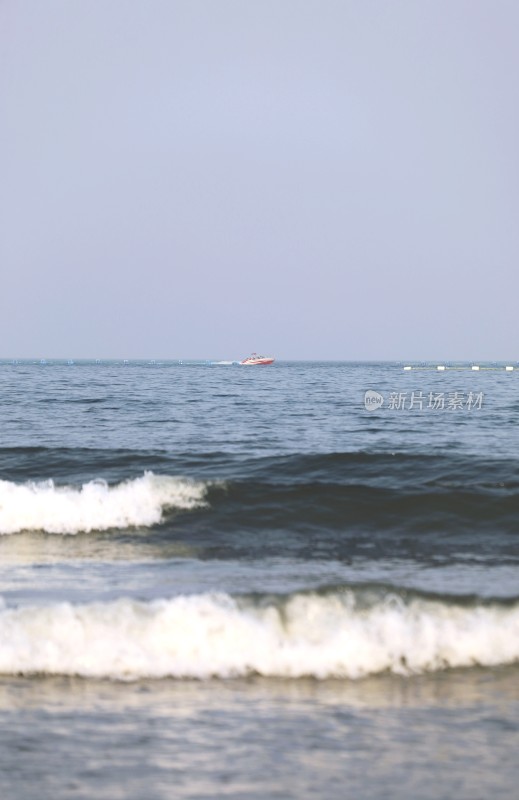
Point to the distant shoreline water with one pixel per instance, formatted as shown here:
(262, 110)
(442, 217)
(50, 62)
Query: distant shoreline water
(439, 365)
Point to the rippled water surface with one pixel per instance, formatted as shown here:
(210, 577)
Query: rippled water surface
(239, 582)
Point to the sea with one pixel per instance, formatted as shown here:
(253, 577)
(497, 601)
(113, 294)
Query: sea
(295, 581)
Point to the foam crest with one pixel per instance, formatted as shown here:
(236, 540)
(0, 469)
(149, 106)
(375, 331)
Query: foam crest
(216, 635)
(94, 506)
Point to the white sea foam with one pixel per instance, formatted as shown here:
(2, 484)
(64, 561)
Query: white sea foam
(94, 506)
(209, 635)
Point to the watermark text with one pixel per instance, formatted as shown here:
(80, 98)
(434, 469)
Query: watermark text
(423, 401)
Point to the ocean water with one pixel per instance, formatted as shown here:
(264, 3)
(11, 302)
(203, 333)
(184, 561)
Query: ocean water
(221, 581)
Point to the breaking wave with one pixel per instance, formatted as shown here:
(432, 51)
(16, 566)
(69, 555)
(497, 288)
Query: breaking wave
(338, 633)
(94, 506)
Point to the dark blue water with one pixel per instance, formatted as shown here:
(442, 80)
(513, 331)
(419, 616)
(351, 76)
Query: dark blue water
(231, 581)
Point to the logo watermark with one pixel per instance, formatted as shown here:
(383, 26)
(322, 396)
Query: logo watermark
(373, 400)
(424, 401)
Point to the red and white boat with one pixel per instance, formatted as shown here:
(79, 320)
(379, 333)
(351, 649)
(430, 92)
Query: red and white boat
(256, 360)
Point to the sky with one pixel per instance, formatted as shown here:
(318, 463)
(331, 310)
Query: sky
(328, 179)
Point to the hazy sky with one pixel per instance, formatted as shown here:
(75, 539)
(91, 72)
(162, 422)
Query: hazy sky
(328, 179)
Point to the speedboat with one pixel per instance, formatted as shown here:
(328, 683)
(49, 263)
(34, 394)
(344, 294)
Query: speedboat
(256, 360)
